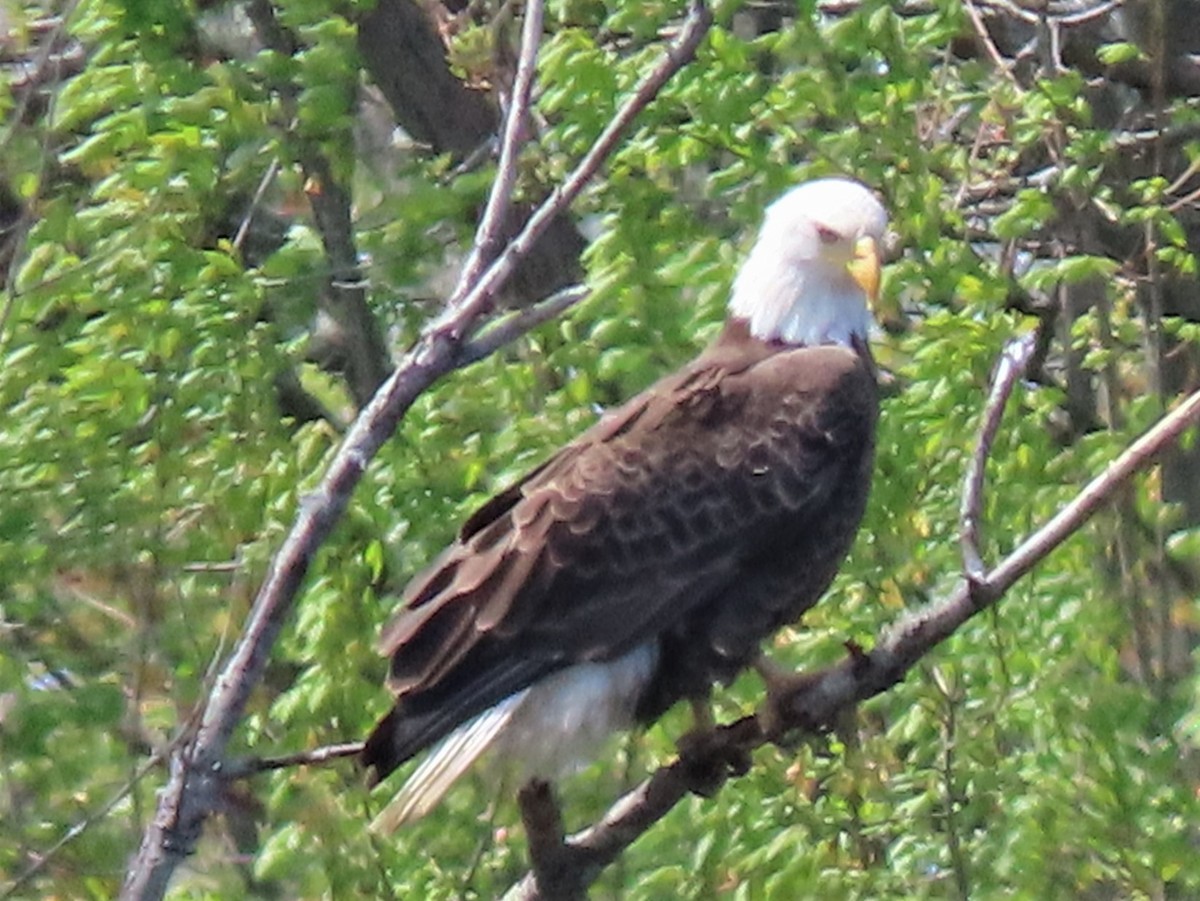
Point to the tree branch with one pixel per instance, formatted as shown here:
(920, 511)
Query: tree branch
(552, 861)
(252, 766)
(817, 700)
(489, 235)
(197, 770)
(508, 328)
(1012, 364)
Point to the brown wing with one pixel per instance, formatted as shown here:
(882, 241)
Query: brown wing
(645, 522)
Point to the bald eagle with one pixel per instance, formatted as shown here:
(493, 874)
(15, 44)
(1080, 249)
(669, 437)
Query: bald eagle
(648, 559)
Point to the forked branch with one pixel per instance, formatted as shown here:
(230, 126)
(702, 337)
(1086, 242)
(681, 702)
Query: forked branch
(197, 768)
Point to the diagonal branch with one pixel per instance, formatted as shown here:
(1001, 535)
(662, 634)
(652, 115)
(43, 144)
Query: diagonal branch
(678, 53)
(815, 701)
(197, 769)
(507, 328)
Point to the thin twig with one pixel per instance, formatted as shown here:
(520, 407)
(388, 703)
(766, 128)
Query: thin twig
(255, 203)
(44, 858)
(194, 786)
(252, 766)
(1099, 11)
(989, 45)
(228, 566)
(505, 330)
(1183, 201)
(820, 699)
(1011, 365)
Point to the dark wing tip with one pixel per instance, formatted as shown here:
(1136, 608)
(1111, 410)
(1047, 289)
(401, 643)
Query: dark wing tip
(396, 739)
(379, 756)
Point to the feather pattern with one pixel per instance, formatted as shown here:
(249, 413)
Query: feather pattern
(729, 491)
(649, 557)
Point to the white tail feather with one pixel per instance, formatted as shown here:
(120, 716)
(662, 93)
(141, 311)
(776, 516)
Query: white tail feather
(544, 730)
(448, 760)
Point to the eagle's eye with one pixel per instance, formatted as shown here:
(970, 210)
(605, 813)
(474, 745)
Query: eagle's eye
(827, 235)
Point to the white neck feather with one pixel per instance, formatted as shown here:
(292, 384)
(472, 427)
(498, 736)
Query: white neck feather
(796, 285)
(798, 301)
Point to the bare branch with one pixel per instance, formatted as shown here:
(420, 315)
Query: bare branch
(505, 330)
(489, 235)
(989, 45)
(198, 769)
(815, 701)
(1012, 364)
(252, 766)
(678, 53)
(552, 862)
(260, 192)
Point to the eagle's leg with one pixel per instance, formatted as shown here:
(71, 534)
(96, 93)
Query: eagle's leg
(704, 724)
(702, 713)
(708, 753)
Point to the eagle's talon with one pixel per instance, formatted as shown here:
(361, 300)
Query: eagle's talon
(708, 759)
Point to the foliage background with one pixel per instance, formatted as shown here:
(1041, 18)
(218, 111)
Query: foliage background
(175, 371)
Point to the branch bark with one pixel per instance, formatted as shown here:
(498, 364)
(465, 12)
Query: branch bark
(197, 768)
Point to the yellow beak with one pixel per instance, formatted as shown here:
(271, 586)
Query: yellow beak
(865, 268)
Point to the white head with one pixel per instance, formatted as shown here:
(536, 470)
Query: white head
(815, 268)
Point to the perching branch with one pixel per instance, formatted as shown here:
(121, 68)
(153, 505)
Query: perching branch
(817, 700)
(553, 862)
(197, 768)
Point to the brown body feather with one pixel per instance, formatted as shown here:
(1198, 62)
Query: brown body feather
(706, 512)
